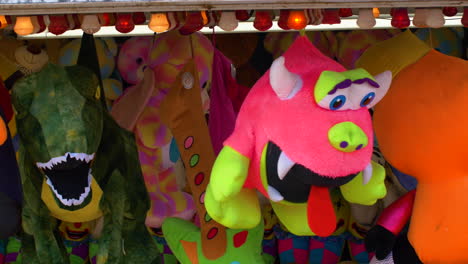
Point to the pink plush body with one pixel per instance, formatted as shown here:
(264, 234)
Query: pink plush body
(298, 125)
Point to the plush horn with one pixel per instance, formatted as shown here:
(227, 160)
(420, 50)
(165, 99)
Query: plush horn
(285, 84)
(384, 80)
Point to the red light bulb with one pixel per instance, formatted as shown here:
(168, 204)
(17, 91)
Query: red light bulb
(105, 19)
(464, 19)
(242, 15)
(139, 18)
(400, 18)
(283, 19)
(263, 20)
(297, 20)
(450, 11)
(41, 24)
(345, 12)
(193, 23)
(124, 23)
(58, 24)
(331, 16)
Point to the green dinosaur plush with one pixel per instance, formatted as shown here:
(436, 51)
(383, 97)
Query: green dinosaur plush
(77, 165)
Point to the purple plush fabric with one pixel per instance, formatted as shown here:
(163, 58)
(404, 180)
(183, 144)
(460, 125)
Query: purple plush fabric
(222, 114)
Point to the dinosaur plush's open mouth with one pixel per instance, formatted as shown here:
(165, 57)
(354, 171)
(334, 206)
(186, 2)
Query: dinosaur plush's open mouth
(69, 176)
(292, 182)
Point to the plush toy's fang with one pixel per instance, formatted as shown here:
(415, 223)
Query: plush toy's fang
(274, 195)
(69, 177)
(367, 174)
(284, 165)
(293, 181)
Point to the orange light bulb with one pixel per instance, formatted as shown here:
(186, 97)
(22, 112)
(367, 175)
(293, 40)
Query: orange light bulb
(376, 12)
(159, 23)
(3, 22)
(23, 26)
(297, 19)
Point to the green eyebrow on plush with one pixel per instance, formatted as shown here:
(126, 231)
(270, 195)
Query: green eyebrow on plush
(329, 80)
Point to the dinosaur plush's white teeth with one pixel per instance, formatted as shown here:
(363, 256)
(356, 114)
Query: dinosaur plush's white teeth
(284, 165)
(57, 160)
(367, 174)
(274, 194)
(72, 201)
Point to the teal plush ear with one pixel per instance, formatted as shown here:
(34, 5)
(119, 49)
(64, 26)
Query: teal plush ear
(243, 246)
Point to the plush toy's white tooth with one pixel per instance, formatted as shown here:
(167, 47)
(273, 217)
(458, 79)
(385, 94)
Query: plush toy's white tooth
(275, 196)
(367, 174)
(284, 165)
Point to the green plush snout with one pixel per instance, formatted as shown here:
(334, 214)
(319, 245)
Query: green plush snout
(347, 137)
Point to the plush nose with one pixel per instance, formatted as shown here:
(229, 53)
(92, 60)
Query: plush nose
(347, 137)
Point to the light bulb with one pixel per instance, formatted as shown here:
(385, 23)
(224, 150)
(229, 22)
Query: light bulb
(464, 19)
(435, 18)
(124, 23)
(159, 23)
(297, 19)
(71, 22)
(3, 22)
(23, 26)
(206, 20)
(331, 16)
(193, 23)
(450, 11)
(242, 15)
(345, 12)
(400, 18)
(105, 19)
(283, 19)
(172, 20)
(420, 17)
(366, 19)
(228, 21)
(58, 24)
(376, 12)
(263, 20)
(139, 18)
(90, 24)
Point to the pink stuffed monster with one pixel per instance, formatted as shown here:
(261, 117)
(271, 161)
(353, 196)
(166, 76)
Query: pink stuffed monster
(303, 128)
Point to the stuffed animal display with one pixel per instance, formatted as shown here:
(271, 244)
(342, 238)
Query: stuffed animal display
(303, 89)
(77, 165)
(424, 109)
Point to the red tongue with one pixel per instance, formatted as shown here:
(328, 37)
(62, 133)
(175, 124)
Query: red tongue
(320, 212)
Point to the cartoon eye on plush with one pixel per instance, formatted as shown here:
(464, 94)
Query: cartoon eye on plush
(350, 90)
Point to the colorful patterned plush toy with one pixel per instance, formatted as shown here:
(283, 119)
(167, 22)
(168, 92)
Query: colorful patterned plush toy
(421, 127)
(106, 49)
(141, 59)
(77, 165)
(303, 128)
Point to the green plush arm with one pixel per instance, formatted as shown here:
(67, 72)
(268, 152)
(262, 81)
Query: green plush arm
(356, 192)
(228, 174)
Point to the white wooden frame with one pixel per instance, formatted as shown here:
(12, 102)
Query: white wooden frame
(43, 7)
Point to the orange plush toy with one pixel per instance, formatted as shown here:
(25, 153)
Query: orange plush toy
(421, 126)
